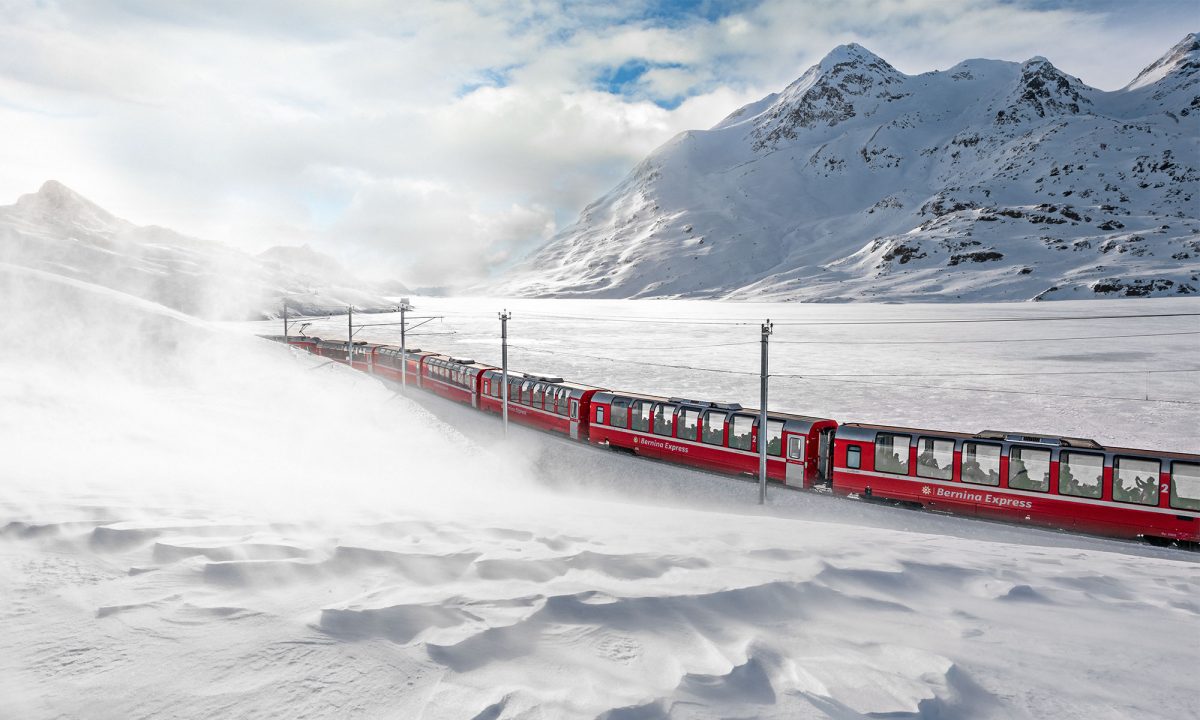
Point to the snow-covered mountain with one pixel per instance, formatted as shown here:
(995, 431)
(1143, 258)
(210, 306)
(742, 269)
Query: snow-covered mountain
(59, 231)
(988, 181)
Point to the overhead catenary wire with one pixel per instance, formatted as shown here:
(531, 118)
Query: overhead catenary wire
(986, 374)
(969, 342)
(836, 323)
(998, 390)
(839, 378)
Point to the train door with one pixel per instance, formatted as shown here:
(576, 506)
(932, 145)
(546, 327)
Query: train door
(574, 419)
(794, 474)
(824, 456)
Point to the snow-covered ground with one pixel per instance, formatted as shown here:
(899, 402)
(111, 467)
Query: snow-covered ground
(200, 524)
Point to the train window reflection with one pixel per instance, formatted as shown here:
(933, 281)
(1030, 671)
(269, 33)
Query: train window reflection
(689, 424)
(1029, 469)
(1135, 480)
(1080, 474)
(620, 413)
(891, 453)
(935, 458)
(663, 415)
(640, 416)
(714, 428)
(740, 433)
(775, 437)
(1185, 486)
(981, 464)
(796, 447)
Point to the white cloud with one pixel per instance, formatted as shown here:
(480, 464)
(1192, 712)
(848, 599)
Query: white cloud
(369, 127)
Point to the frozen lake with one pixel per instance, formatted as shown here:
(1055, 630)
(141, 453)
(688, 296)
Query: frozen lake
(1132, 382)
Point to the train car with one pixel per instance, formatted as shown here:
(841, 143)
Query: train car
(1068, 483)
(716, 436)
(456, 379)
(363, 356)
(332, 349)
(540, 401)
(301, 341)
(388, 364)
(304, 343)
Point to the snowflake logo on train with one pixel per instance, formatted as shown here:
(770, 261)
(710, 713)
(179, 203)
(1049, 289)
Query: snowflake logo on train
(926, 490)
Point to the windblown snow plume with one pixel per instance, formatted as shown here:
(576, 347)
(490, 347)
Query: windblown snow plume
(59, 231)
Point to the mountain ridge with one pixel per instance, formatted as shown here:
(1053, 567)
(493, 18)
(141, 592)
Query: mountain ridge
(992, 180)
(57, 230)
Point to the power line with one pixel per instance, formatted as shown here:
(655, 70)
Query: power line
(818, 376)
(989, 374)
(996, 390)
(967, 342)
(635, 362)
(948, 321)
(835, 323)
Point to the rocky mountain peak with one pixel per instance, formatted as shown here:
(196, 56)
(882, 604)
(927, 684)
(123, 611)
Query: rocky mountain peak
(1183, 59)
(1043, 90)
(63, 206)
(848, 81)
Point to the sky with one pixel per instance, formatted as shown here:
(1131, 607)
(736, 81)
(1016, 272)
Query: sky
(436, 141)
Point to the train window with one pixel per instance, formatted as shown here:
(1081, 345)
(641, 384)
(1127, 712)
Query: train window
(539, 395)
(689, 424)
(1029, 469)
(1185, 486)
(640, 416)
(527, 392)
(564, 400)
(714, 428)
(741, 432)
(795, 447)
(1135, 480)
(981, 463)
(891, 453)
(853, 457)
(599, 414)
(663, 415)
(775, 437)
(620, 413)
(935, 458)
(1080, 474)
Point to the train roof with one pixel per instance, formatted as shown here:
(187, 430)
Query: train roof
(452, 361)
(518, 376)
(849, 430)
(710, 405)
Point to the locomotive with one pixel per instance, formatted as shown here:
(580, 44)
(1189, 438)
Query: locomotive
(1060, 482)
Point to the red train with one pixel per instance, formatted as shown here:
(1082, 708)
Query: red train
(1068, 483)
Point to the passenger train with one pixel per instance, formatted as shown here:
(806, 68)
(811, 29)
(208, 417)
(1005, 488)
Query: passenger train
(1060, 482)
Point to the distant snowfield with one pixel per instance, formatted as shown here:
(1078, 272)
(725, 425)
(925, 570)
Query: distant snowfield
(1091, 378)
(200, 524)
